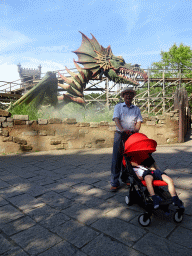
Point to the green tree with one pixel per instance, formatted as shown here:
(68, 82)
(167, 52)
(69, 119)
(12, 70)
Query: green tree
(178, 57)
(177, 61)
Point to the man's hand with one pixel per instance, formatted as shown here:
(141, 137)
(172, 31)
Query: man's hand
(137, 126)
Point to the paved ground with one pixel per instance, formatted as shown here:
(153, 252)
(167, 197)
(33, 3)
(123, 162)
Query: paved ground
(58, 203)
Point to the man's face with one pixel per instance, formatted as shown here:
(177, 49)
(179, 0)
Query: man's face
(128, 97)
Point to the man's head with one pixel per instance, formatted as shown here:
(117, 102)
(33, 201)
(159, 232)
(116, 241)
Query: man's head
(128, 94)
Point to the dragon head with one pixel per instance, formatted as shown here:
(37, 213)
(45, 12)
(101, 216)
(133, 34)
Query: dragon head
(99, 60)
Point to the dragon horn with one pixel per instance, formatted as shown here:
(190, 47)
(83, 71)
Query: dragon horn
(75, 76)
(64, 86)
(84, 75)
(109, 50)
(75, 99)
(67, 80)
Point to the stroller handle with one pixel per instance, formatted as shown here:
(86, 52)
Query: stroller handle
(124, 137)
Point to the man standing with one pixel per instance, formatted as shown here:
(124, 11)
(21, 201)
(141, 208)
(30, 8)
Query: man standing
(128, 119)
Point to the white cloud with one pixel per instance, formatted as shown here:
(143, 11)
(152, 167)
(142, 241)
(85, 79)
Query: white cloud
(12, 39)
(59, 48)
(47, 65)
(9, 73)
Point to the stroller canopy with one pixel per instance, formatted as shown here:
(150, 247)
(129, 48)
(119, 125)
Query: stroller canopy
(139, 142)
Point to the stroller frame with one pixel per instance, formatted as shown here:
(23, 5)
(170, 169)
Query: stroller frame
(138, 193)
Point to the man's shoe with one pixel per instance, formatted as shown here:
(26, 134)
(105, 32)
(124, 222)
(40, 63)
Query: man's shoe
(127, 182)
(114, 189)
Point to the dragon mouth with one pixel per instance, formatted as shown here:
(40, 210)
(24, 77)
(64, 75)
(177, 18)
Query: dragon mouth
(131, 75)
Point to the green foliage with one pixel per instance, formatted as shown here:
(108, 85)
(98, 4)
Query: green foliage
(178, 57)
(72, 110)
(94, 115)
(91, 113)
(24, 109)
(176, 62)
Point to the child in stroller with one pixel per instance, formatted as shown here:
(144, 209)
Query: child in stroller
(137, 152)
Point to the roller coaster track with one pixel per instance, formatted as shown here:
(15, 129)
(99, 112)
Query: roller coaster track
(108, 92)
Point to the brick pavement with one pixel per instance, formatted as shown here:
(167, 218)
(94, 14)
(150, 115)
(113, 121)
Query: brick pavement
(59, 203)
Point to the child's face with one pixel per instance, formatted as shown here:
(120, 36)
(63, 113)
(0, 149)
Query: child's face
(140, 156)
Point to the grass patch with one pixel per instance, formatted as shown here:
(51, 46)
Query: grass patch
(91, 113)
(72, 110)
(24, 109)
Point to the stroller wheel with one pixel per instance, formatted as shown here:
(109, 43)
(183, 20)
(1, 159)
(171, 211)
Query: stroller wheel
(178, 216)
(144, 220)
(127, 200)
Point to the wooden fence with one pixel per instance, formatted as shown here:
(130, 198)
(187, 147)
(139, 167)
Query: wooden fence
(181, 103)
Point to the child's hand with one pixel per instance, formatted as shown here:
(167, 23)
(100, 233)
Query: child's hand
(140, 177)
(134, 164)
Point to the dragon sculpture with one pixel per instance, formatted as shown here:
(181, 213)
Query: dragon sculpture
(97, 61)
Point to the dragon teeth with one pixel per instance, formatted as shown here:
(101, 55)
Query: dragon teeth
(129, 75)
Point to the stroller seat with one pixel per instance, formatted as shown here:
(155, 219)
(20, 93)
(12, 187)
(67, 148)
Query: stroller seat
(140, 145)
(156, 183)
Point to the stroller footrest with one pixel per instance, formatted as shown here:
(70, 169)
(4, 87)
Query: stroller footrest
(165, 202)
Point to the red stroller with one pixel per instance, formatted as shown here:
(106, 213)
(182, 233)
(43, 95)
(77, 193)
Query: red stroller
(140, 146)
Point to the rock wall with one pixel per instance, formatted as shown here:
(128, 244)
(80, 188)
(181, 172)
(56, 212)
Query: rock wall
(19, 134)
(162, 128)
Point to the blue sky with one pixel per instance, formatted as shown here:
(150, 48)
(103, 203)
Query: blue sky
(35, 32)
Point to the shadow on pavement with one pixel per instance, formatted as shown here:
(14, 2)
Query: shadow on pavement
(59, 203)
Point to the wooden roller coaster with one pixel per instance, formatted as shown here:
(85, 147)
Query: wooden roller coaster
(157, 95)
